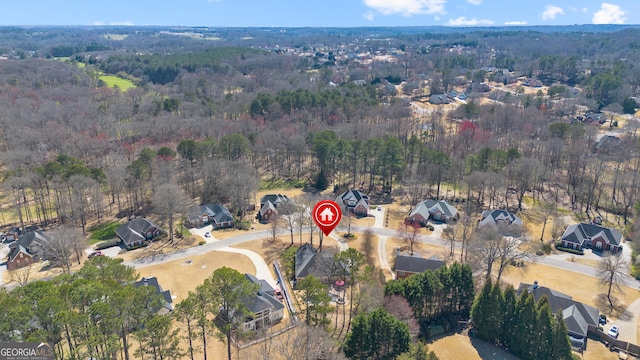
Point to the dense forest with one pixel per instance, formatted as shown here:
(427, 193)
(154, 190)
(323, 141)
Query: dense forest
(212, 115)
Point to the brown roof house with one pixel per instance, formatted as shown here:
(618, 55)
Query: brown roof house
(26, 250)
(354, 201)
(407, 265)
(137, 233)
(580, 236)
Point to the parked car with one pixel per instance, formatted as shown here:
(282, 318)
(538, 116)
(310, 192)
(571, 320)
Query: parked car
(337, 299)
(207, 234)
(379, 208)
(96, 253)
(614, 331)
(278, 294)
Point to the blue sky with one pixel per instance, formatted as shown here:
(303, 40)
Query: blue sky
(325, 13)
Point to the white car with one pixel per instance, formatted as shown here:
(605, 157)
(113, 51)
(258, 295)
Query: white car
(614, 331)
(207, 234)
(379, 208)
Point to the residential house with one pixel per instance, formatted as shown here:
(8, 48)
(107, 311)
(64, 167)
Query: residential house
(354, 201)
(599, 118)
(532, 83)
(269, 205)
(439, 99)
(310, 262)
(265, 307)
(579, 318)
(499, 217)
(432, 209)
(609, 144)
(580, 236)
(214, 214)
(137, 233)
(13, 234)
(26, 250)
(407, 265)
(462, 96)
(166, 299)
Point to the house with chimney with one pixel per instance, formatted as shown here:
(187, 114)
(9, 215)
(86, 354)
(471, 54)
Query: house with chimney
(354, 201)
(26, 250)
(433, 210)
(581, 319)
(271, 206)
(591, 236)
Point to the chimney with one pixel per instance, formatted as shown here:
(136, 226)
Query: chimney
(535, 285)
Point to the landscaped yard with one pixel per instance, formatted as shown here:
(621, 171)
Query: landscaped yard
(587, 292)
(184, 275)
(102, 232)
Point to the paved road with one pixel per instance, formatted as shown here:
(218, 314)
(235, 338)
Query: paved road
(382, 240)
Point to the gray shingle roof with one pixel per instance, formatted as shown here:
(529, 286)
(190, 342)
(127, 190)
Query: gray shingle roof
(416, 264)
(427, 207)
(167, 301)
(133, 230)
(265, 299)
(25, 243)
(577, 315)
(310, 262)
(578, 233)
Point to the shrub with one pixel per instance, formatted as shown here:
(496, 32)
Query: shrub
(202, 242)
(559, 247)
(430, 227)
(243, 225)
(546, 248)
(107, 244)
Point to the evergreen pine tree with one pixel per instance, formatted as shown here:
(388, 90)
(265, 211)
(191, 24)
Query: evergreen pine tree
(561, 347)
(544, 331)
(497, 312)
(510, 317)
(481, 312)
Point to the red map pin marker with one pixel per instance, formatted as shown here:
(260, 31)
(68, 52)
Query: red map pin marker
(327, 215)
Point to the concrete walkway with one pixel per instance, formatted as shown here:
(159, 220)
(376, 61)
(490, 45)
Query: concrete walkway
(628, 323)
(382, 240)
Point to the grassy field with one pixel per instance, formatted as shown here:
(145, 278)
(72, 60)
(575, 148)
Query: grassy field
(104, 231)
(113, 81)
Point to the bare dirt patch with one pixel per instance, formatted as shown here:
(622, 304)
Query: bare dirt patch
(184, 275)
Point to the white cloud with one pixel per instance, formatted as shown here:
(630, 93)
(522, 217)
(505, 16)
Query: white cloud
(551, 11)
(463, 21)
(609, 14)
(121, 23)
(474, 2)
(369, 15)
(515, 23)
(407, 7)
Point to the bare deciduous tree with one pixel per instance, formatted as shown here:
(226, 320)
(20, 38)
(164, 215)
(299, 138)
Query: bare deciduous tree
(408, 233)
(58, 247)
(168, 201)
(274, 228)
(368, 247)
(21, 275)
(611, 273)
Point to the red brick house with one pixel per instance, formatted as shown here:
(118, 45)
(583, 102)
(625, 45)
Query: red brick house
(26, 250)
(580, 236)
(354, 201)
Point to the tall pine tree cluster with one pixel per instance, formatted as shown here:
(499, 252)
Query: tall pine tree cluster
(445, 294)
(527, 329)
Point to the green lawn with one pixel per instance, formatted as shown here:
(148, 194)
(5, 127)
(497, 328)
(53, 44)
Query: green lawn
(103, 232)
(112, 81)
